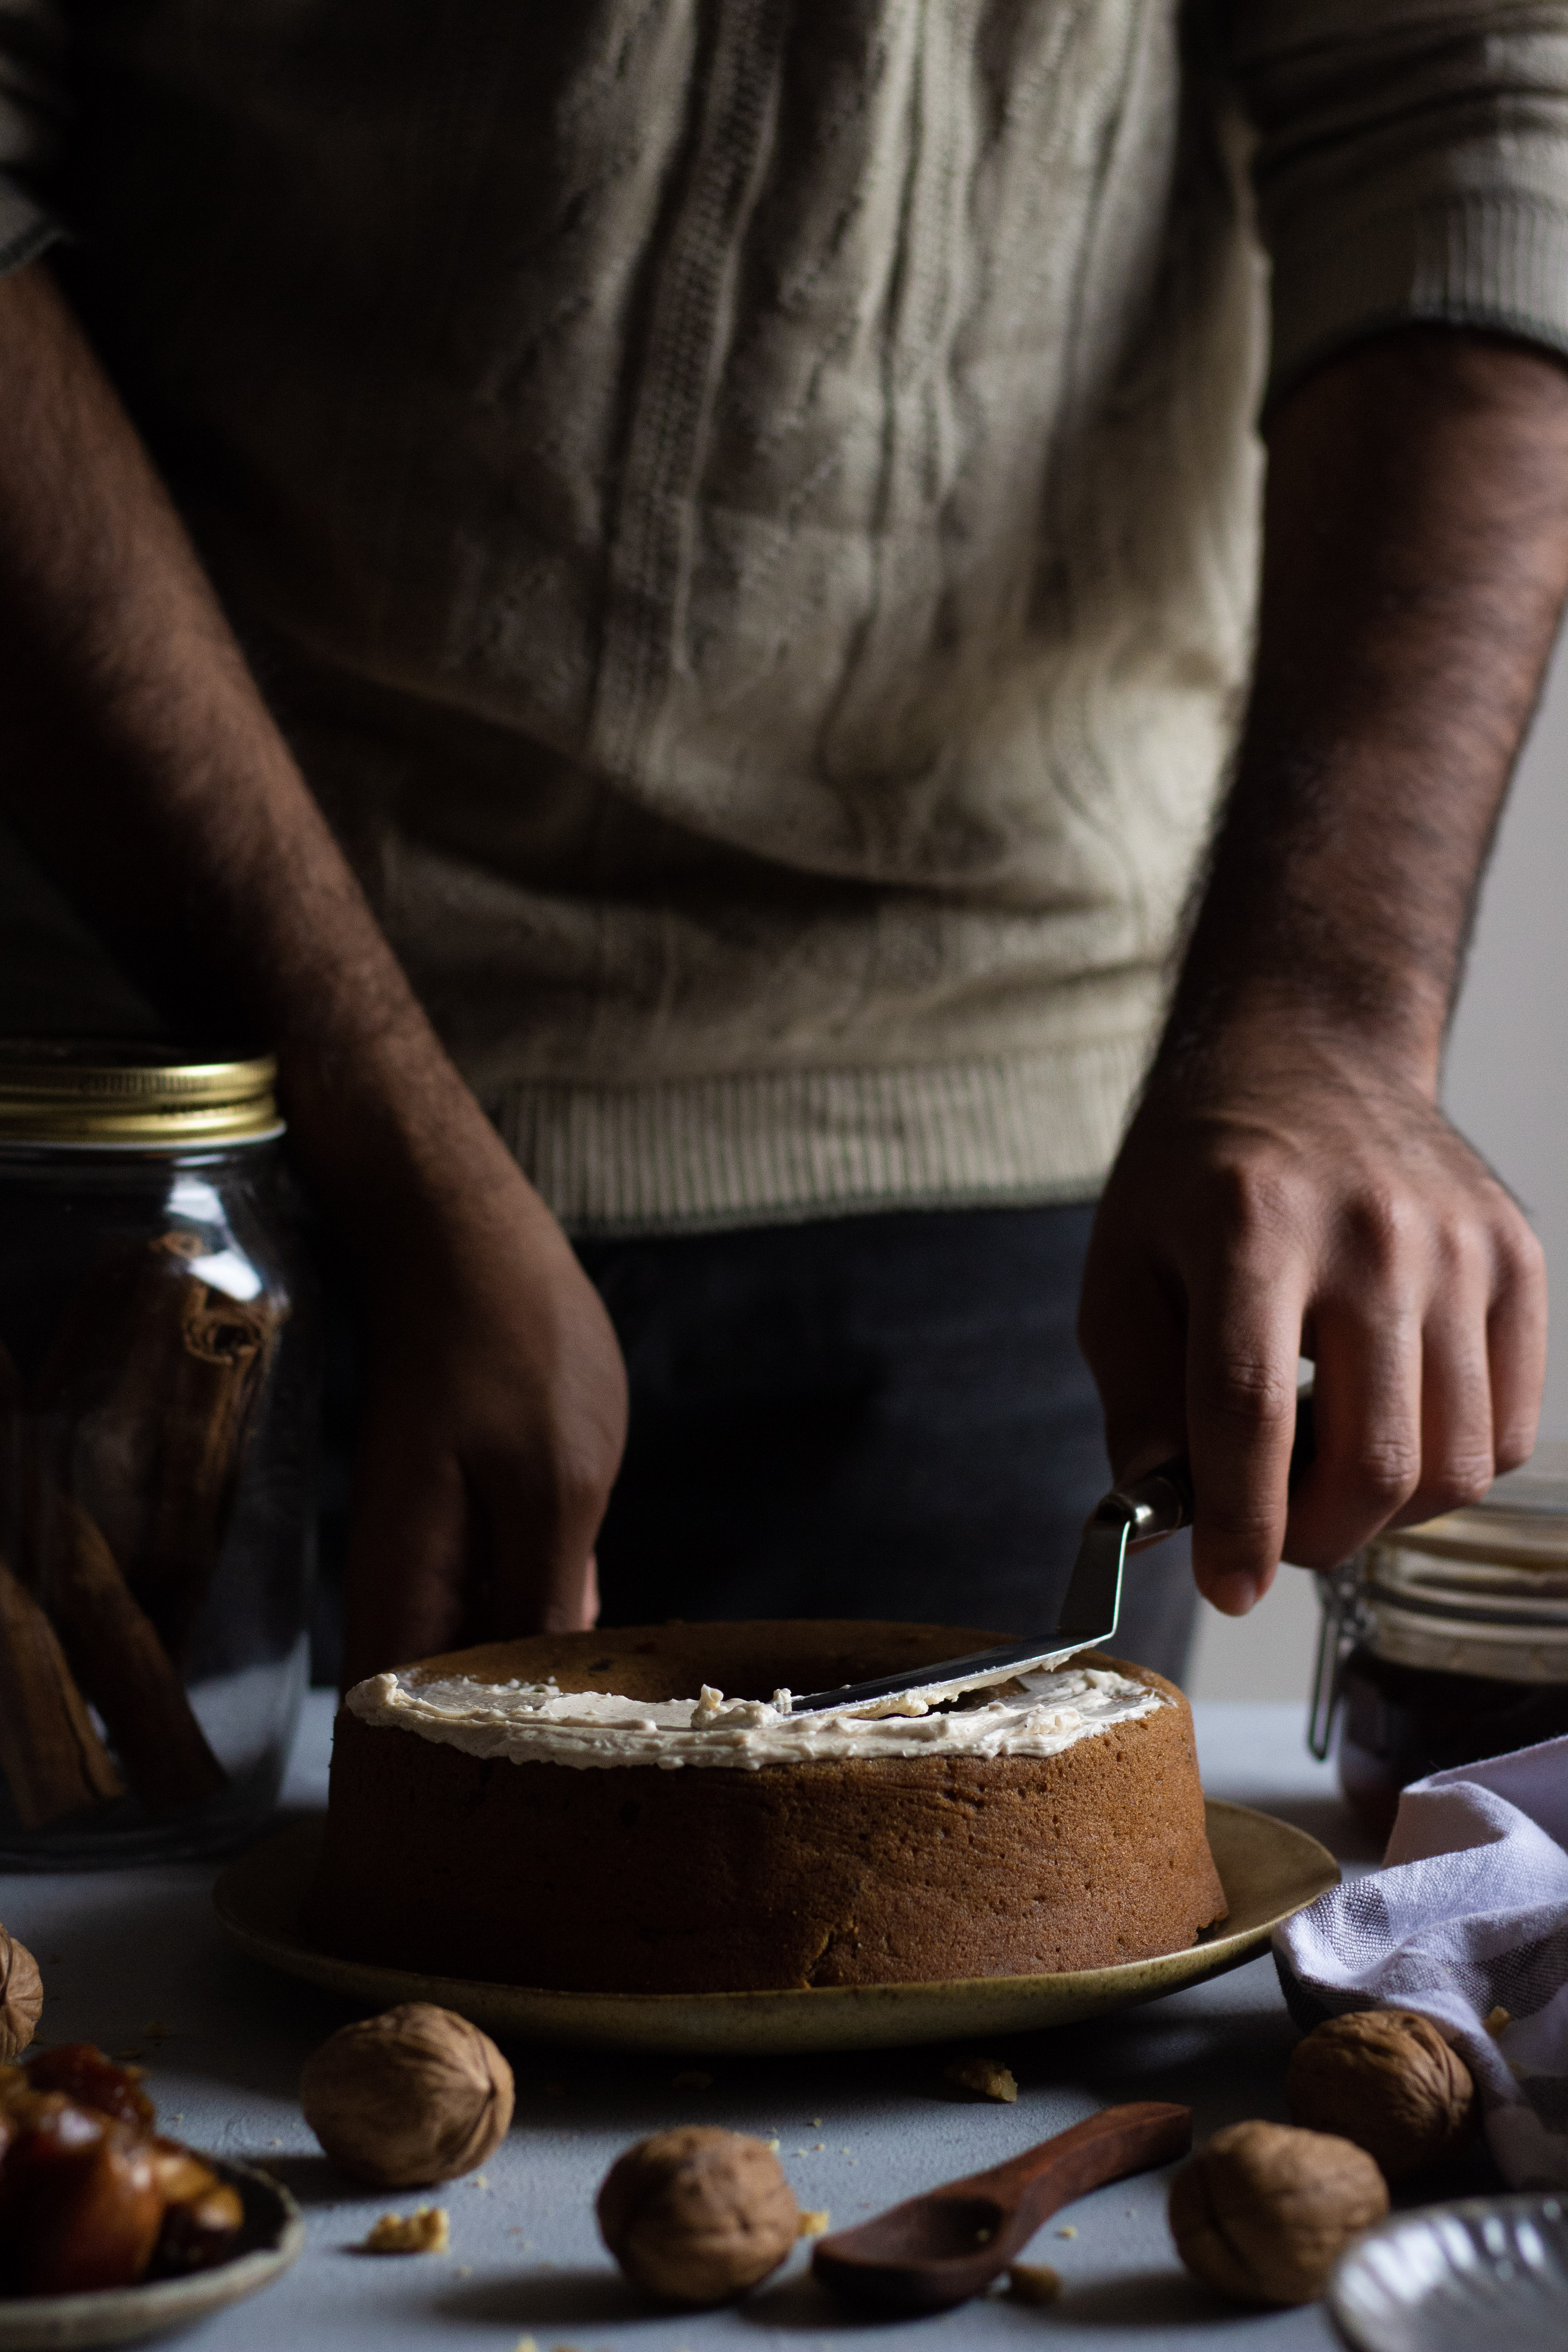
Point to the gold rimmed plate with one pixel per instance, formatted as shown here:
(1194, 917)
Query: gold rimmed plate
(270, 2238)
(1268, 1870)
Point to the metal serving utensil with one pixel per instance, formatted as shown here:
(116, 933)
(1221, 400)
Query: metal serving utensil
(1143, 1512)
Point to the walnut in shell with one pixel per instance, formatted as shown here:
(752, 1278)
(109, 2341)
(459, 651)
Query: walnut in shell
(415, 2095)
(698, 2215)
(21, 1996)
(1262, 2213)
(1388, 2080)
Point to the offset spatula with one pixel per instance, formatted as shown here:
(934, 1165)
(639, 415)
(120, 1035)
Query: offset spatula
(1125, 1520)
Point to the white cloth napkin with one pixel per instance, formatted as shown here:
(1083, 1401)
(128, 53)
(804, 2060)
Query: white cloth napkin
(1468, 1915)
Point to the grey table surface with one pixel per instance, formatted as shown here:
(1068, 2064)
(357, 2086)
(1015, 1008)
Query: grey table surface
(134, 1960)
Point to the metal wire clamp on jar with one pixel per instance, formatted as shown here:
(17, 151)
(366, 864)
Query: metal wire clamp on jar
(1446, 1642)
(158, 1406)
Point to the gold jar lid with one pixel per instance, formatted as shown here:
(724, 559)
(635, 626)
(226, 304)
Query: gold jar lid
(85, 1093)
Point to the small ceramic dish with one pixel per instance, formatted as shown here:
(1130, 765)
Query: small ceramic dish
(269, 2240)
(1449, 2278)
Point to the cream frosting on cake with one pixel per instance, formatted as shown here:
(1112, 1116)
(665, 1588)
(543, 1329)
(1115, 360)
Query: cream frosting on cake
(1039, 1714)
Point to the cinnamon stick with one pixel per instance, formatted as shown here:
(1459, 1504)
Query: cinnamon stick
(159, 1373)
(72, 1613)
(114, 1650)
(54, 1763)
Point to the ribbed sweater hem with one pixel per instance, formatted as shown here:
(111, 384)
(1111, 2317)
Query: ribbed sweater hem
(1496, 263)
(779, 1148)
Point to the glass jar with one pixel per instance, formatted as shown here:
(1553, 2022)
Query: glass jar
(1448, 1642)
(158, 1410)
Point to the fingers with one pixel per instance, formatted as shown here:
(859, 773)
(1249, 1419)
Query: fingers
(408, 1548)
(1430, 1355)
(1366, 1421)
(436, 1562)
(1453, 1453)
(1244, 1340)
(542, 1513)
(1516, 1342)
(1429, 1367)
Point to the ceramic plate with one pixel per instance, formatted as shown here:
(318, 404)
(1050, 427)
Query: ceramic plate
(1450, 2278)
(270, 2239)
(1267, 1869)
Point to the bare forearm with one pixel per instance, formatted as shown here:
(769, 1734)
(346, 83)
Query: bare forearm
(138, 758)
(1288, 1184)
(1415, 558)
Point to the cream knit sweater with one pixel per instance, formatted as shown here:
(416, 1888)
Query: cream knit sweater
(748, 510)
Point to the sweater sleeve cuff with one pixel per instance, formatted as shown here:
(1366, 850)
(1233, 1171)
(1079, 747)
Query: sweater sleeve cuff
(1492, 261)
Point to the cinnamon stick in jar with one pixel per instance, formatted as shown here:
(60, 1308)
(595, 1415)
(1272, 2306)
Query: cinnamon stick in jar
(159, 1373)
(54, 1763)
(113, 1649)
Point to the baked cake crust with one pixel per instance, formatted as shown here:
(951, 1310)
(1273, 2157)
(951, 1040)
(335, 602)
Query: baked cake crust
(818, 1872)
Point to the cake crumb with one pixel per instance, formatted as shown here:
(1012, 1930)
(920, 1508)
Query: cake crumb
(987, 2077)
(525, 2344)
(1496, 2019)
(1067, 2229)
(479, 2181)
(427, 2232)
(1033, 2282)
(693, 2079)
(773, 2146)
(811, 2225)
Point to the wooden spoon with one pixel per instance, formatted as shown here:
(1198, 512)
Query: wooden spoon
(940, 2249)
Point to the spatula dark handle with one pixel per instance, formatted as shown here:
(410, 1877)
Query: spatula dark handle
(1163, 1500)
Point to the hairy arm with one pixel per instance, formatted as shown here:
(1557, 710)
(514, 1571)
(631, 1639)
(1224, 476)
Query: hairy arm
(1288, 1184)
(138, 759)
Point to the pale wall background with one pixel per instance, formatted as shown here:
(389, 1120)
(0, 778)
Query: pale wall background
(1507, 1087)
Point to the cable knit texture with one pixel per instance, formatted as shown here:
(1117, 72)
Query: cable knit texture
(749, 510)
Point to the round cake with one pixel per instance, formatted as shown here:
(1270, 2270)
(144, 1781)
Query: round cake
(633, 1811)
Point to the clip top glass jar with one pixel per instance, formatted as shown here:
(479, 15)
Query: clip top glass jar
(1446, 1642)
(157, 1455)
